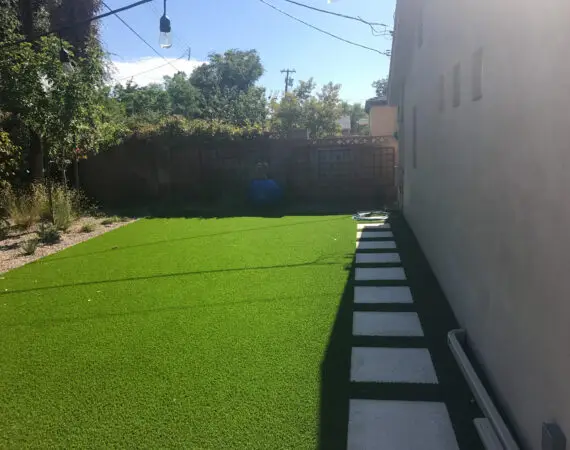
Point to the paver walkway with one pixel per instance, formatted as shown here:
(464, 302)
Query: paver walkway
(407, 393)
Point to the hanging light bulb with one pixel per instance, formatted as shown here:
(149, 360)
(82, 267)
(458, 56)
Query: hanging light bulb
(165, 39)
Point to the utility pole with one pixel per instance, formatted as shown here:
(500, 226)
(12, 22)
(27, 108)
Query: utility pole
(288, 81)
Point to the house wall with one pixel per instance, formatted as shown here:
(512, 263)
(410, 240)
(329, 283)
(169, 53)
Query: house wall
(487, 191)
(382, 120)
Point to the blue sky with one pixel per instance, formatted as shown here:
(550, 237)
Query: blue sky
(217, 25)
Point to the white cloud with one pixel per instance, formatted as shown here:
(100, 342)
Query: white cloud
(151, 70)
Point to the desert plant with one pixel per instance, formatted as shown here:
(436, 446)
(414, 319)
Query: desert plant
(29, 247)
(88, 227)
(48, 234)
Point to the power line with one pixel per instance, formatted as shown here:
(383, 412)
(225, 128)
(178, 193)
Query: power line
(386, 53)
(140, 37)
(288, 81)
(76, 24)
(153, 69)
(372, 25)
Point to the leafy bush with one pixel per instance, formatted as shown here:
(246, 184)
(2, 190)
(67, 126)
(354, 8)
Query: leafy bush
(48, 234)
(178, 126)
(10, 156)
(29, 247)
(88, 227)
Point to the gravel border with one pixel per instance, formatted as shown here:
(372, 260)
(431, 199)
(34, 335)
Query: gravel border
(11, 255)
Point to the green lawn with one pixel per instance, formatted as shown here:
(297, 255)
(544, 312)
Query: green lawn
(203, 334)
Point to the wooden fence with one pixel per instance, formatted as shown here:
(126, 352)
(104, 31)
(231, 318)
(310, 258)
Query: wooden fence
(343, 169)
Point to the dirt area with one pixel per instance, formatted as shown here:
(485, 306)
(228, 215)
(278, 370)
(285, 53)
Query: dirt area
(11, 255)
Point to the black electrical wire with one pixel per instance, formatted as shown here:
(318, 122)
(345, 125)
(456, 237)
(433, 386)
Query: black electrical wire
(323, 31)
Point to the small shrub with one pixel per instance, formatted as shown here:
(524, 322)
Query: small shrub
(29, 247)
(49, 234)
(111, 220)
(88, 227)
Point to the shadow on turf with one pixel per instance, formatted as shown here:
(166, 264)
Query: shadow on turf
(56, 258)
(335, 373)
(317, 262)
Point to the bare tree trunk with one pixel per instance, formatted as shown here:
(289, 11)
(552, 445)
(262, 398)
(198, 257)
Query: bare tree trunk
(36, 157)
(76, 172)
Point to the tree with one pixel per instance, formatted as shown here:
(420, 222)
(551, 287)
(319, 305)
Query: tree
(144, 103)
(184, 97)
(301, 108)
(65, 12)
(227, 87)
(381, 87)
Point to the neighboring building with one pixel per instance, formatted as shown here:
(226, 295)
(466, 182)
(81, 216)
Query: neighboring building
(483, 89)
(381, 117)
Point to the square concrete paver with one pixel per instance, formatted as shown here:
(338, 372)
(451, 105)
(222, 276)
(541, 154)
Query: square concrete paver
(374, 245)
(382, 294)
(373, 234)
(399, 425)
(379, 273)
(373, 226)
(392, 365)
(386, 324)
(377, 258)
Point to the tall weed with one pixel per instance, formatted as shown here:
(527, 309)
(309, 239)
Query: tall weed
(24, 207)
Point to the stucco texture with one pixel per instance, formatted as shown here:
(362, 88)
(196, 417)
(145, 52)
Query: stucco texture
(488, 196)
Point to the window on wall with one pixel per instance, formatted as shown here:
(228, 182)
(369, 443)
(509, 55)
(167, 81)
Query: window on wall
(442, 93)
(477, 75)
(421, 28)
(414, 137)
(456, 85)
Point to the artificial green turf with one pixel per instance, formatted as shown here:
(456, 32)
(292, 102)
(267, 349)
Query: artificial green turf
(203, 334)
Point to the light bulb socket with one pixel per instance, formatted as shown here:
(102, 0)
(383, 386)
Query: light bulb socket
(165, 24)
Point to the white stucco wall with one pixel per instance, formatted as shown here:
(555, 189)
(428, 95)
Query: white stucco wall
(489, 199)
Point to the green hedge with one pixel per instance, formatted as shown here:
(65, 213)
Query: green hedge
(178, 126)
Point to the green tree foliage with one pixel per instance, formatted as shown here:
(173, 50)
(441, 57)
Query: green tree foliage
(381, 87)
(60, 111)
(143, 103)
(9, 157)
(184, 97)
(65, 12)
(303, 108)
(227, 87)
